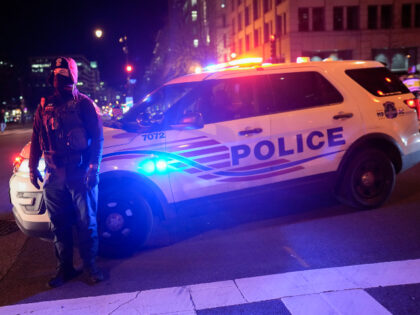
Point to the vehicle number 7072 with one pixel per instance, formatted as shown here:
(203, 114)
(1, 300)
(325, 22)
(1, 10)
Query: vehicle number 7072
(154, 136)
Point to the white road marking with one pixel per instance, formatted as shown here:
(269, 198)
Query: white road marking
(346, 302)
(211, 295)
(331, 289)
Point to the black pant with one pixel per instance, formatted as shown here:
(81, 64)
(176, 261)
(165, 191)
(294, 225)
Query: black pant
(68, 202)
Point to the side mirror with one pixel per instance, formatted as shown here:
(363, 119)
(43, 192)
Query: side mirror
(190, 120)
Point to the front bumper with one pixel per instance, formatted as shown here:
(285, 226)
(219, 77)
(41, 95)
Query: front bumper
(41, 229)
(28, 207)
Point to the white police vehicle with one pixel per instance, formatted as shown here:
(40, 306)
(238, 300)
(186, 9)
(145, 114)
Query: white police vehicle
(245, 128)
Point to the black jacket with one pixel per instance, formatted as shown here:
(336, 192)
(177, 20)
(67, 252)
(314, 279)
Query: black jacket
(77, 113)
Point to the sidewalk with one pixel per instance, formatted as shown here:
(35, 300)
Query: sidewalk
(340, 290)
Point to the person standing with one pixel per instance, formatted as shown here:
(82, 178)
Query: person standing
(2, 120)
(67, 129)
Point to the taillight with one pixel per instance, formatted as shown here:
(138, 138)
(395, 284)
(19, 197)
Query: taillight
(17, 161)
(415, 104)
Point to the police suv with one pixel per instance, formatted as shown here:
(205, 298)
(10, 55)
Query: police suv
(245, 128)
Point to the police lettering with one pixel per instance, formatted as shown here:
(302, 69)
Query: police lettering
(266, 149)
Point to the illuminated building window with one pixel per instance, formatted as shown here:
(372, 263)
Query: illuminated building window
(208, 39)
(194, 15)
(195, 42)
(193, 2)
(93, 64)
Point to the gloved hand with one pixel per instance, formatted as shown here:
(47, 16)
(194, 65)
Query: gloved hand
(92, 176)
(34, 175)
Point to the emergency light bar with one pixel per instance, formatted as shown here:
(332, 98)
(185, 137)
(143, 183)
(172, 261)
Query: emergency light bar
(302, 59)
(253, 61)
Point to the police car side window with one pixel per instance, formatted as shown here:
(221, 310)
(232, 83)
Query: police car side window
(237, 98)
(300, 90)
(224, 100)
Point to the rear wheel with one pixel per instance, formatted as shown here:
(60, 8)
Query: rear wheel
(368, 180)
(125, 219)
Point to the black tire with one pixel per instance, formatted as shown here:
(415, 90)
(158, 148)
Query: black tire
(125, 219)
(368, 180)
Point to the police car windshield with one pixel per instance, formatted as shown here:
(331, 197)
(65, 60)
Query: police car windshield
(152, 109)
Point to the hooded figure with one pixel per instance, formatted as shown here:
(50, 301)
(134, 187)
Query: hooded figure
(67, 130)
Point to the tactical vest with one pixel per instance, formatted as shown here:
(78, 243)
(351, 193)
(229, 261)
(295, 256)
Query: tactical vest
(64, 137)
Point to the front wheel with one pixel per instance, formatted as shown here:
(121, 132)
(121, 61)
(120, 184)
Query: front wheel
(368, 180)
(124, 219)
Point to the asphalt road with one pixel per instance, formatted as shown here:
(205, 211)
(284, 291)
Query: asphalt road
(298, 231)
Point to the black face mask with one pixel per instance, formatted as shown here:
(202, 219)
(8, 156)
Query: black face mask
(63, 84)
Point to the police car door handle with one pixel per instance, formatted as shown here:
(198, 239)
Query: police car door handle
(250, 131)
(342, 115)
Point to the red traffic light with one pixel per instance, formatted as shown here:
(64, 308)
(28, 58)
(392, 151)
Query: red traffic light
(129, 68)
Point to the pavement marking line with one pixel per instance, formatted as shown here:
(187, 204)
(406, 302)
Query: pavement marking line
(335, 286)
(345, 302)
(277, 286)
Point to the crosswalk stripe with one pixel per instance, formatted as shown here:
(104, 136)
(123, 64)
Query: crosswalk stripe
(345, 302)
(335, 288)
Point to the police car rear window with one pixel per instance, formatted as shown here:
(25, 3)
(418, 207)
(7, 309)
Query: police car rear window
(378, 81)
(300, 90)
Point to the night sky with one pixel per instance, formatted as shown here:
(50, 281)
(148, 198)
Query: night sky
(38, 28)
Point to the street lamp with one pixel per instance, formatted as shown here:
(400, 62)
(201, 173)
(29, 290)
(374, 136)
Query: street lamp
(99, 33)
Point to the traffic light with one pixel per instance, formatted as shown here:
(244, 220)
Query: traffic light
(273, 48)
(129, 68)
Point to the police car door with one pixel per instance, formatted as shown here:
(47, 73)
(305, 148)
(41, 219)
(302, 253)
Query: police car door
(219, 156)
(311, 124)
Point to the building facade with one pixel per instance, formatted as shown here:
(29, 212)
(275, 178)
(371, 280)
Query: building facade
(283, 30)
